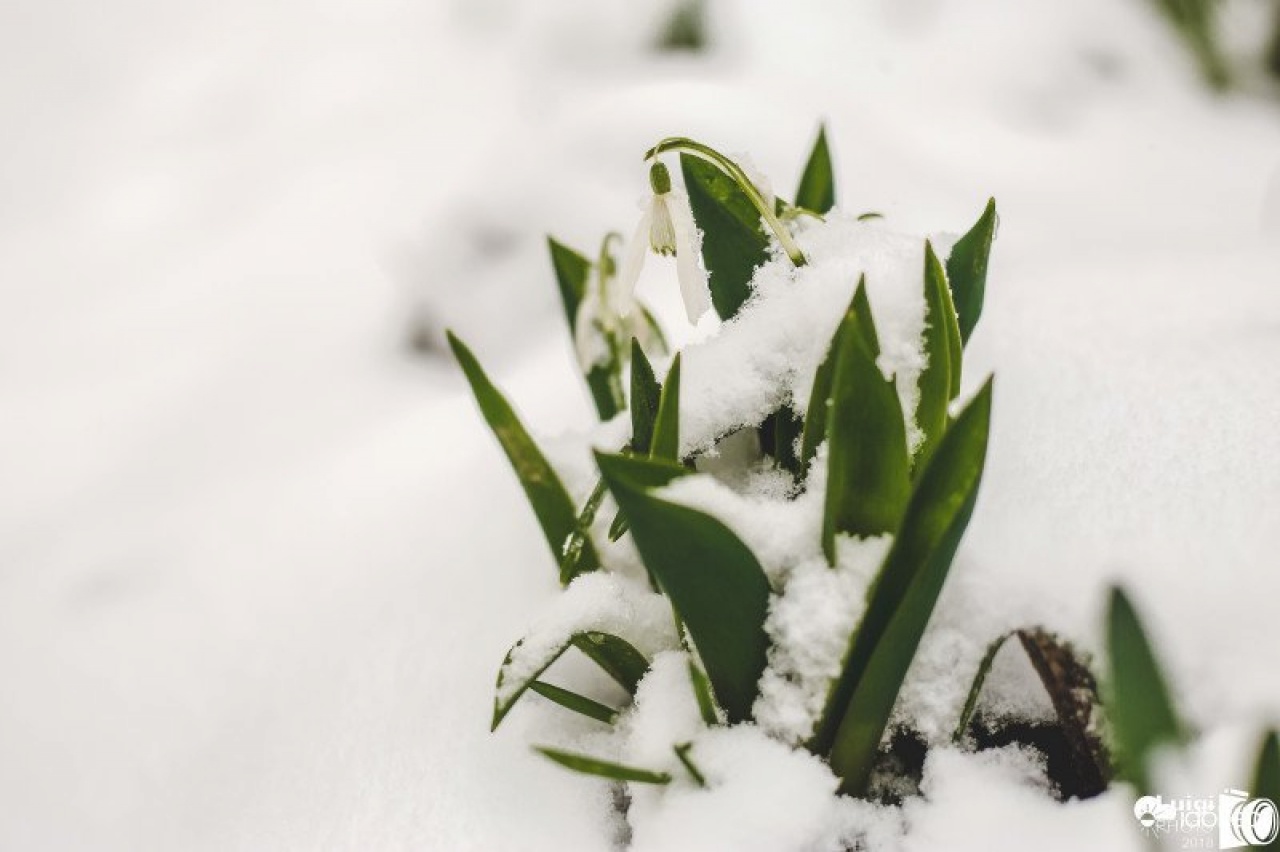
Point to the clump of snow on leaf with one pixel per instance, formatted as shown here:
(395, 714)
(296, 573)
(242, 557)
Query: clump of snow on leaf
(809, 626)
(767, 354)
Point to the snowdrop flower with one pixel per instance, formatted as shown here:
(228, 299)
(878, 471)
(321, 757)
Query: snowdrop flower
(608, 316)
(667, 228)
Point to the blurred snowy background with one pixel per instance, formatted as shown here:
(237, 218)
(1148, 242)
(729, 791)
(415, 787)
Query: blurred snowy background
(259, 558)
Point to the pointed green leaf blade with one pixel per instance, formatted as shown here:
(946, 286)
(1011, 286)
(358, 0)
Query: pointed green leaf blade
(815, 418)
(666, 425)
(1142, 713)
(550, 501)
(903, 596)
(733, 244)
(645, 395)
(575, 544)
(868, 472)
(603, 768)
(935, 378)
(618, 657)
(1266, 771)
(570, 700)
(967, 269)
(715, 583)
(817, 190)
(572, 271)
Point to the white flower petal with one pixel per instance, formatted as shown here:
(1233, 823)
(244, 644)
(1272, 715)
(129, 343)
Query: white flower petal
(588, 342)
(623, 288)
(689, 271)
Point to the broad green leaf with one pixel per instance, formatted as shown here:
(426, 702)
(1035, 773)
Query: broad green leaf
(868, 472)
(682, 754)
(575, 544)
(817, 190)
(645, 394)
(815, 418)
(935, 378)
(715, 583)
(702, 693)
(575, 702)
(548, 497)
(967, 269)
(617, 657)
(1142, 714)
(733, 244)
(666, 425)
(572, 271)
(903, 595)
(603, 768)
(1266, 771)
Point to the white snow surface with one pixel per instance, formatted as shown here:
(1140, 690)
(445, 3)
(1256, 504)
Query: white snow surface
(260, 563)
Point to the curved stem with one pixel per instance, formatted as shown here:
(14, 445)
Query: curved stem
(734, 171)
(605, 265)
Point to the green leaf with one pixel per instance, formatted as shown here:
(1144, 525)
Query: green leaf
(666, 425)
(1142, 714)
(604, 384)
(617, 657)
(733, 244)
(572, 271)
(548, 497)
(682, 754)
(967, 269)
(576, 543)
(868, 479)
(817, 190)
(645, 394)
(715, 583)
(935, 379)
(815, 418)
(575, 702)
(1266, 772)
(702, 693)
(603, 768)
(902, 598)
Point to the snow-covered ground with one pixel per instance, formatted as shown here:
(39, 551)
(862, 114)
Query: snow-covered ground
(259, 561)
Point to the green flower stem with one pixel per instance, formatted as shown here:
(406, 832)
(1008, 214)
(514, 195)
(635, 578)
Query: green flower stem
(734, 171)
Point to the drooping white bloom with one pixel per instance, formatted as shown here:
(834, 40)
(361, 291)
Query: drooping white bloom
(608, 318)
(667, 227)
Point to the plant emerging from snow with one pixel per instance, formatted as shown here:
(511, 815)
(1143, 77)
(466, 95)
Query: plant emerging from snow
(788, 504)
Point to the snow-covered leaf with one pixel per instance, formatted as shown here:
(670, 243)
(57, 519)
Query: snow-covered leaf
(617, 657)
(1141, 710)
(733, 244)
(603, 768)
(903, 596)
(817, 190)
(815, 418)
(575, 544)
(868, 479)
(967, 269)
(715, 583)
(548, 497)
